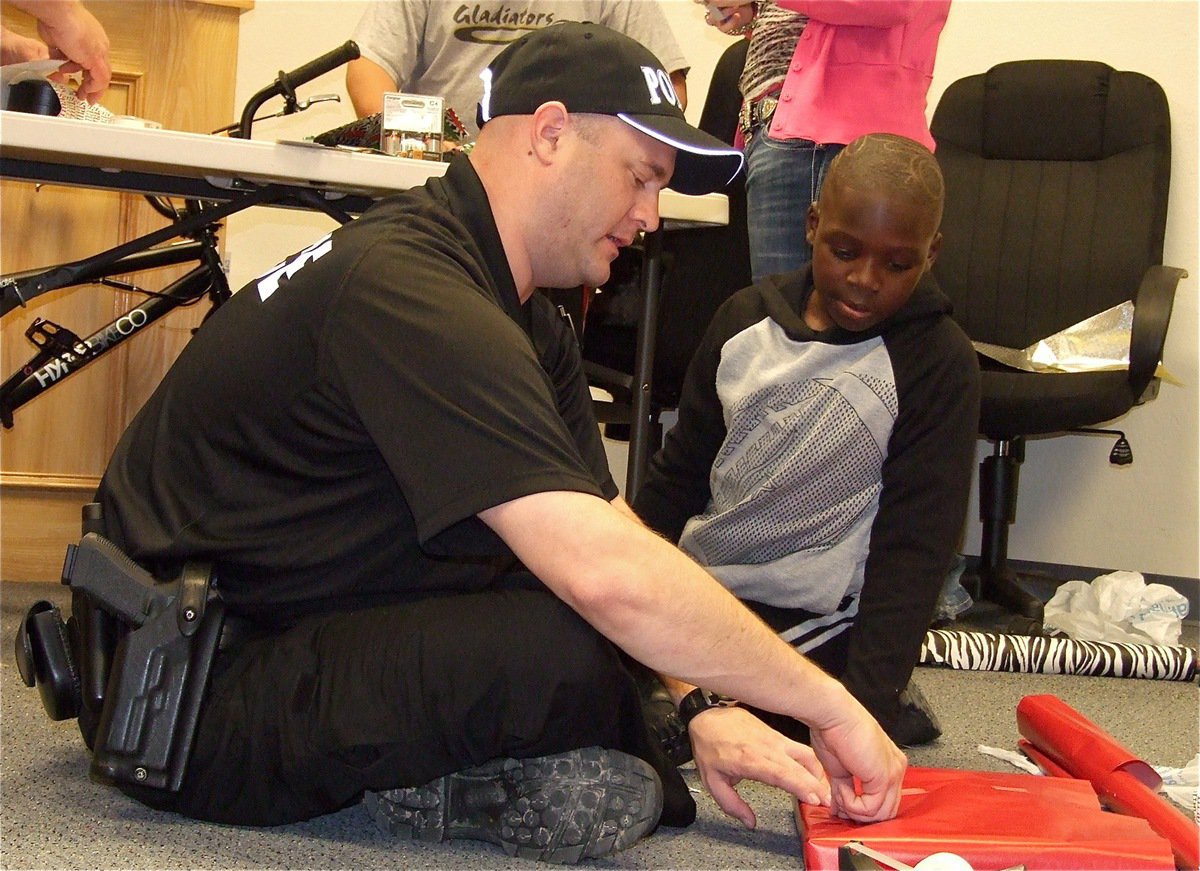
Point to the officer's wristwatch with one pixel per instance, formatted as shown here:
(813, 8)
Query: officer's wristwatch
(699, 700)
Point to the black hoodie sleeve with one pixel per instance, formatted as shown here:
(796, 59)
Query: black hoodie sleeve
(922, 507)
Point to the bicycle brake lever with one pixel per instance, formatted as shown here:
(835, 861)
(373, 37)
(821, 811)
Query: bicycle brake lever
(289, 109)
(319, 98)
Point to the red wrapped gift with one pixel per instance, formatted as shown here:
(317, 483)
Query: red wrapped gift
(994, 821)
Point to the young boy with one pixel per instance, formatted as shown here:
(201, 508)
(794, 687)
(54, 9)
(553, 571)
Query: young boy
(821, 464)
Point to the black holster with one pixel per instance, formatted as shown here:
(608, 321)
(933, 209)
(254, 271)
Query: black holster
(131, 663)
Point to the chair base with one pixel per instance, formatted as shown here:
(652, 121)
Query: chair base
(1003, 587)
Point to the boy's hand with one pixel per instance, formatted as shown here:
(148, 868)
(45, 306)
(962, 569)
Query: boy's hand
(731, 745)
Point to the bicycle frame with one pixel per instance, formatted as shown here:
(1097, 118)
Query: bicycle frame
(62, 353)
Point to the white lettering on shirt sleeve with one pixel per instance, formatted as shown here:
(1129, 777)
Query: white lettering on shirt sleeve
(269, 283)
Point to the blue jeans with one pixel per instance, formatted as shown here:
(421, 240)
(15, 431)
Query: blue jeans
(783, 177)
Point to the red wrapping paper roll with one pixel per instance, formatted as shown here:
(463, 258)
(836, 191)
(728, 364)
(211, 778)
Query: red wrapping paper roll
(1125, 783)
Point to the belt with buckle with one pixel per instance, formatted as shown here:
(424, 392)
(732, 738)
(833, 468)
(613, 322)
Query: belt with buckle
(752, 114)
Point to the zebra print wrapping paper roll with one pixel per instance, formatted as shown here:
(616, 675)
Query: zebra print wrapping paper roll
(986, 651)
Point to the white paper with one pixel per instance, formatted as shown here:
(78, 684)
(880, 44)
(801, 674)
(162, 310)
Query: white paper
(10, 74)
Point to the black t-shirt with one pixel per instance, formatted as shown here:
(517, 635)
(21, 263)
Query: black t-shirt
(329, 435)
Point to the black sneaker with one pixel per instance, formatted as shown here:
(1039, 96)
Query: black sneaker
(916, 724)
(666, 725)
(576, 805)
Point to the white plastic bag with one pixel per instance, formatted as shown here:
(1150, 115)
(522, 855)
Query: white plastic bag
(1119, 606)
(1182, 785)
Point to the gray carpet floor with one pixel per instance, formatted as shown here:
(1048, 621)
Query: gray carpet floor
(52, 816)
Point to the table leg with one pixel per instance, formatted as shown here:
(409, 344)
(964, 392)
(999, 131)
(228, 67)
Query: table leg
(641, 423)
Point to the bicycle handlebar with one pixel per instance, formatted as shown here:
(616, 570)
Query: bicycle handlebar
(287, 83)
(344, 53)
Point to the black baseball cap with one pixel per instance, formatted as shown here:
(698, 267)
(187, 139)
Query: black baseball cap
(592, 69)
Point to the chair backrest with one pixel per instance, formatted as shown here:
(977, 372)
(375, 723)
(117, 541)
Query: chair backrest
(1057, 175)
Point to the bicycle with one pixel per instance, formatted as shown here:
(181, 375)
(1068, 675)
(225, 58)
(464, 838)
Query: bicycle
(60, 352)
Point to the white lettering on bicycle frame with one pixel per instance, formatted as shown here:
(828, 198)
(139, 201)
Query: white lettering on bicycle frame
(130, 323)
(269, 283)
(123, 327)
(52, 371)
(65, 363)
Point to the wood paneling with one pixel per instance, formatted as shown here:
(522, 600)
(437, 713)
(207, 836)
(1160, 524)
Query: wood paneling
(40, 515)
(173, 62)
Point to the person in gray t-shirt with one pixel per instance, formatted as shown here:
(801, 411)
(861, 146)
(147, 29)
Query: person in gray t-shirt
(437, 48)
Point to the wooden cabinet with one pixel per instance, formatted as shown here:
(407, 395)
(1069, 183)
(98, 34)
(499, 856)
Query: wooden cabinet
(173, 62)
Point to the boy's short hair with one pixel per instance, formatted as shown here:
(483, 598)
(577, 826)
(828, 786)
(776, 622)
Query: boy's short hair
(894, 165)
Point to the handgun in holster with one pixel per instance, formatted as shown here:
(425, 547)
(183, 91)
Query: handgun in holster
(131, 662)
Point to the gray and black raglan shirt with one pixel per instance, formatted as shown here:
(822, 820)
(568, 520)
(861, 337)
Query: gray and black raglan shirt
(823, 476)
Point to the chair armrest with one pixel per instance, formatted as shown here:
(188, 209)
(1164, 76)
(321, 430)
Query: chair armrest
(1151, 315)
(618, 383)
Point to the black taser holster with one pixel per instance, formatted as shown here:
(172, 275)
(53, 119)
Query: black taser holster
(131, 662)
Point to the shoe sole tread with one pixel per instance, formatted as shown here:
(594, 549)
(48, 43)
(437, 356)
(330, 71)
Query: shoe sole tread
(579, 804)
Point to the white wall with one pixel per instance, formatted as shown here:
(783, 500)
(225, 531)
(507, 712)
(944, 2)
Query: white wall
(1074, 508)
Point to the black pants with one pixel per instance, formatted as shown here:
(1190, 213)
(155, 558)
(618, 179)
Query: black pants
(831, 657)
(299, 723)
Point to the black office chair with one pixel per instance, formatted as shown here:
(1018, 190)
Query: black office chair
(1056, 201)
(701, 268)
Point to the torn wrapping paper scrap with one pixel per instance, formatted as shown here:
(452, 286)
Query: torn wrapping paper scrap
(1098, 344)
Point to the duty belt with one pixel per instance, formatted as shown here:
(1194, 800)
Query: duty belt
(752, 114)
